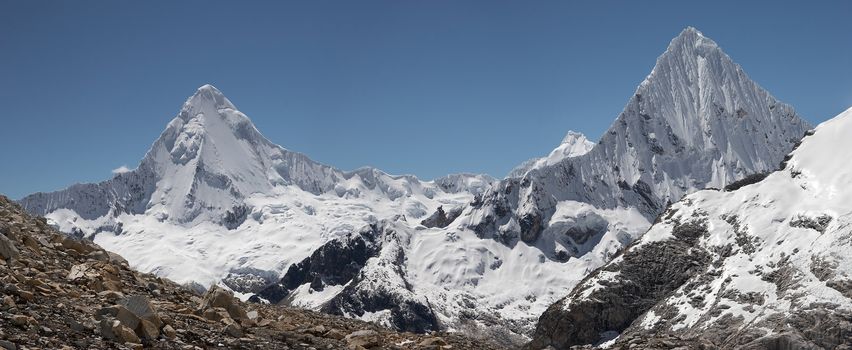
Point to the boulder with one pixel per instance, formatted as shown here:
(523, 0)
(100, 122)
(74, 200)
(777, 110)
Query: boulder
(364, 338)
(218, 297)
(76, 245)
(110, 295)
(124, 334)
(82, 271)
(23, 321)
(137, 314)
(8, 251)
(9, 302)
(120, 313)
(433, 342)
(169, 332)
(148, 330)
(7, 345)
(234, 330)
(112, 329)
(150, 322)
(117, 259)
(335, 334)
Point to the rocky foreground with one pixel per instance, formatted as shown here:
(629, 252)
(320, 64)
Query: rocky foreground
(57, 292)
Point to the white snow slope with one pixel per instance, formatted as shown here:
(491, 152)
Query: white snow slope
(213, 197)
(779, 253)
(797, 220)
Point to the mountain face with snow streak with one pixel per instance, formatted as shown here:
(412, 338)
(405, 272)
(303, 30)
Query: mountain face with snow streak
(696, 121)
(763, 266)
(201, 168)
(213, 201)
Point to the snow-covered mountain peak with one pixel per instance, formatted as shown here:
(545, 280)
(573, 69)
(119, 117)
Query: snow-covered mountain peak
(573, 144)
(209, 92)
(691, 42)
(574, 137)
(691, 34)
(696, 121)
(683, 54)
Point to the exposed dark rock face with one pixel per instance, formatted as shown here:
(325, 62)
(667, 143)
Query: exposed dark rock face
(235, 217)
(748, 180)
(334, 263)
(407, 314)
(440, 218)
(818, 223)
(249, 280)
(647, 274)
(531, 227)
(592, 225)
(379, 288)
(818, 328)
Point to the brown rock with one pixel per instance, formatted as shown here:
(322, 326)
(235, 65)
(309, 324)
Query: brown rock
(234, 330)
(124, 334)
(30, 242)
(169, 332)
(318, 330)
(335, 334)
(23, 321)
(433, 342)
(28, 296)
(218, 297)
(99, 255)
(364, 338)
(110, 295)
(76, 245)
(148, 330)
(216, 314)
(8, 301)
(117, 259)
(112, 329)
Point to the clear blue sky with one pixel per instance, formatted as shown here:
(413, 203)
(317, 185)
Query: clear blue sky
(421, 87)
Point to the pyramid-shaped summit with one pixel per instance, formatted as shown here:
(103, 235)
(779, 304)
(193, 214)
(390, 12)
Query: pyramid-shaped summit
(205, 163)
(696, 121)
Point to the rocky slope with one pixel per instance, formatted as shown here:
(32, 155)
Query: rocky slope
(59, 292)
(761, 265)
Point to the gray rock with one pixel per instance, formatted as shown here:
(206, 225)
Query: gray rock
(8, 251)
(7, 345)
(646, 275)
